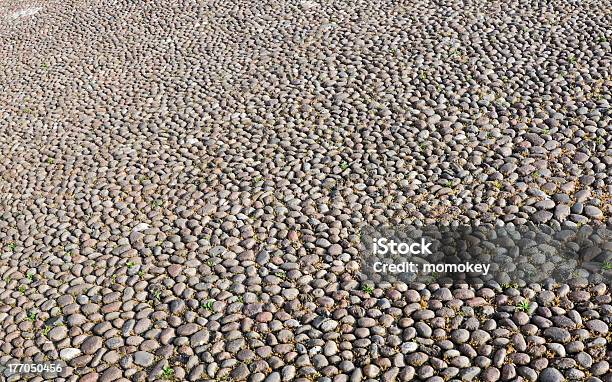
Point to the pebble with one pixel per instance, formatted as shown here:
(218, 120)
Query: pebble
(551, 375)
(598, 326)
(69, 353)
(557, 334)
(58, 333)
(91, 344)
(143, 358)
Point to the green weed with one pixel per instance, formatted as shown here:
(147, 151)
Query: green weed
(523, 306)
(167, 372)
(367, 288)
(208, 305)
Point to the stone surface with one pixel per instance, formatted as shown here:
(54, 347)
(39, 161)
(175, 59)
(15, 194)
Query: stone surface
(184, 187)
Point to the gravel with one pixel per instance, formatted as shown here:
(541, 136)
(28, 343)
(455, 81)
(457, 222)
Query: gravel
(183, 186)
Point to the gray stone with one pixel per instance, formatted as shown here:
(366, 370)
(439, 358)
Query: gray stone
(69, 353)
(143, 358)
(91, 344)
(597, 326)
(557, 334)
(58, 333)
(551, 375)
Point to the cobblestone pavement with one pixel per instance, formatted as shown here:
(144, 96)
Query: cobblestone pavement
(183, 184)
